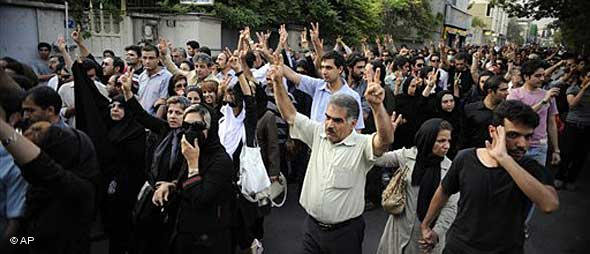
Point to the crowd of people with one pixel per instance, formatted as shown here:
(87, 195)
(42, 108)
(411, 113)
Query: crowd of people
(147, 143)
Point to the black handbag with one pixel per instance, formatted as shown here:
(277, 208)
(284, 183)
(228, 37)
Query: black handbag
(145, 212)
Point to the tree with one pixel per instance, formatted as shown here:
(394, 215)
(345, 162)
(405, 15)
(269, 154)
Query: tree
(400, 15)
(514, 32)
(571, 14)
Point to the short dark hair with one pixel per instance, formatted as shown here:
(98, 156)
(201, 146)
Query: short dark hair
(399, 62)
(118, 62)
(416, 58)
(354, 58)
(43, 45)
(89, 65)
(205, 50)
(190, 65)
(377, 64)
(485, 74)
(152, 48)
(529, 67)
(462, 56)
(493, 83)
(108, 51)
(337, 57)
(250, 58)
(45, 97)
(515, 111)
(134, 48)
(194, 44)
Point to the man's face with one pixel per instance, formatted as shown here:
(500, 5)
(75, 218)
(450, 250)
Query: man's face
(581, 65)
(336, 126)
(44, 53)
(460, 65)
(174, 115)
(330, 72)
(150, 60)
(112, 87)
(33, 113)
(177, 57)
(202, 69)
(53, 62)
(537, 79)
(500, 94)
(222, 61)
(131, 57)
(418, 66)
(435, 61)
(358, 70)
(405, 69)
(64, 76)
(190, 50)
(108, 67)
(518, 138)
(447, 102)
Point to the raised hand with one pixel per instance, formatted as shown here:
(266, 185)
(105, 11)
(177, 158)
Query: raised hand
(235, 63)
(163, 46)
(127, 83)
(61, 43)
(375, 94)
(190, 152)
(396, 120)
(497, 149)
(304, 42)
(76, 36)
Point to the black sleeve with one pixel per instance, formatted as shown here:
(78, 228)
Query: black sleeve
(148, 121)
(310, 67)
(44, 171)
(201, 191)
(250, 121)
(85, 90)
(537, 170)
(99, 73)
(451, 182)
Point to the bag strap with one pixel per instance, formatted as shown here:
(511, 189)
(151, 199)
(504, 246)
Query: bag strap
(272, 202)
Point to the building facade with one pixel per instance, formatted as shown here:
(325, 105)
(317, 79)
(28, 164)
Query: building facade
(495, 21)
(456, 19)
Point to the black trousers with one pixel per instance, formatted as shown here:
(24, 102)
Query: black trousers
(344, 240)
(574, 153)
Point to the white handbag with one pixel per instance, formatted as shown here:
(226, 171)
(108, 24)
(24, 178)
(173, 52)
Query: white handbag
(254, 181)
(276, 189)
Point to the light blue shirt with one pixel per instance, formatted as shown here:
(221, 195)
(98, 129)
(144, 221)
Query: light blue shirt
(318, 90)
(153, 88)
(13, 188)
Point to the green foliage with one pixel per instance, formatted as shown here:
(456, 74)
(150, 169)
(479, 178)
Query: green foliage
(571, 14)
(514, 31)
(400, 15)
(477, 22)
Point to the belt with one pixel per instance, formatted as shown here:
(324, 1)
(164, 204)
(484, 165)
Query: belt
(332, 227)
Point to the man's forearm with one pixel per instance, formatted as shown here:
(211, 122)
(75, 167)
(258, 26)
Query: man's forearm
(545, 198)
(291, 75)
(384, 129)
(439, 200)
(552, 131)
(284, 104)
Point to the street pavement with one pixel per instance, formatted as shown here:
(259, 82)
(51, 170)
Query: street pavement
(562, 232)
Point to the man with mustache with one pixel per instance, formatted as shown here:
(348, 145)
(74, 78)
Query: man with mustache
(496, 185)
(334, 184)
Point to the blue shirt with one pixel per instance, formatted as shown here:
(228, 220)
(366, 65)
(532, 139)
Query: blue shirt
(318, 90)
(13, 188)
(153, 88)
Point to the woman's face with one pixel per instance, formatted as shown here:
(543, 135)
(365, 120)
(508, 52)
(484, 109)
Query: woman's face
(117, 111)
(174, 115)
(210, 97)
(447, 102)
(179, 87)
(193, 97)
(442, 144)
(185, 67)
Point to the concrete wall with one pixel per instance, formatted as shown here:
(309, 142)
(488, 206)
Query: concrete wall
(23, 25)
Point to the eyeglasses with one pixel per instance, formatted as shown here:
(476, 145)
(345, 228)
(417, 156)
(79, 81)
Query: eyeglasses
(419, 65)
(435, 60)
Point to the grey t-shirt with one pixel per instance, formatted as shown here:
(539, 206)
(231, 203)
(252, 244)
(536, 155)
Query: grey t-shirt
(581, 112)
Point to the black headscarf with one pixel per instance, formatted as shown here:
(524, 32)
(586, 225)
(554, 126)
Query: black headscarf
(445, 115)
(126, 128)
(426, 173)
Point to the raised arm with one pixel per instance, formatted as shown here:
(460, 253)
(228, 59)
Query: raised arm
(551, 69)
(77, 37)
(166, 59)
(574, 100)
(375, 94)
(318, 45)
(155, 124)
(61, 45)
(286, 107)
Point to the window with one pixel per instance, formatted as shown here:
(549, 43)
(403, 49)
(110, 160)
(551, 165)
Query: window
(489, 10)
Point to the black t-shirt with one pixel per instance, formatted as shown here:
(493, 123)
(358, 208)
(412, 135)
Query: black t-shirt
(476, 120)
(466, 82)
(492, 209)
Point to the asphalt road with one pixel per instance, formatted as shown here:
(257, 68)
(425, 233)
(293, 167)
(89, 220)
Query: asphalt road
(562, 232)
